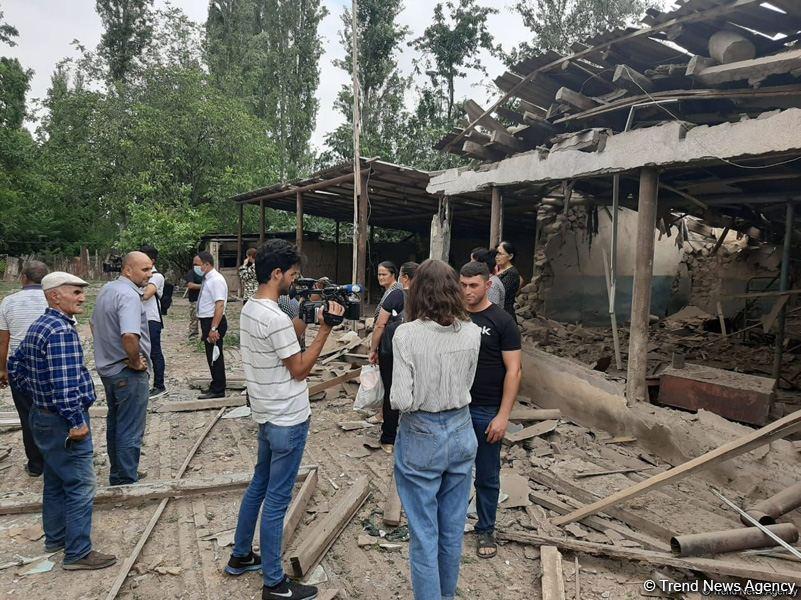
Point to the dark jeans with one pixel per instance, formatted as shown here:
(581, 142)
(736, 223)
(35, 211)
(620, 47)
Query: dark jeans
(389, 428)
(217, 368)
(488, 469)
(269, 493)
(127, 396)
(69, 485)
(156, 355)
(24, 403)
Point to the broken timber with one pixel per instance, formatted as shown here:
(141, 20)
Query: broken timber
(776, 430)
(534, 414)
(324, 385)
(298, 507)
(392, 506)
(553, 582)
(532, 431)
(193, 405)
(661, 559)
(325, 533)
(129, 562)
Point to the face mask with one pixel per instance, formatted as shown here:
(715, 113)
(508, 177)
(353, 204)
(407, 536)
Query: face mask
(198, 271)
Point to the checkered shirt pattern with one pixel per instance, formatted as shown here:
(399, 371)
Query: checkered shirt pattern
(49, 366)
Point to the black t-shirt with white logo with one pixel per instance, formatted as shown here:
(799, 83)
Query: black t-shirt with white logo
(499, 333)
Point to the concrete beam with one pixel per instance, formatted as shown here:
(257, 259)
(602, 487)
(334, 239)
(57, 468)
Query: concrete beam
(663, 146)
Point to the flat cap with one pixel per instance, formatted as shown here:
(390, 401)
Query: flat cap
(58, 278)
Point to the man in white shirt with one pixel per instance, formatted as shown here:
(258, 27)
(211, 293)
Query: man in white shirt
(213, 325)
(17, 312)
(151, 298)
(275, 371)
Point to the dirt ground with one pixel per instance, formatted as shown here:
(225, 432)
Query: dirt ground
(177, 562)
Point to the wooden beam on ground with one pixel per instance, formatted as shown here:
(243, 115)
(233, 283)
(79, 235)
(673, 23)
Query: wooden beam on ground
(570, 490)
(532, 431)
(709, 566)
(553, 582)
(625, 76)
(776, 430)
(131, 560)
(636, 386)
(324, 385)
(755, 70)
(392, 505)
(145, 491)
(520, 413)
(231, 383)
(194, 405)
(575, 99)
(295, 512)
(327, 530)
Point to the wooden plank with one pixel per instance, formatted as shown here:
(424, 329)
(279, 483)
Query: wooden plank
(298, 507)
(532, 431)
(776, 430)
(327, 530)
(231, 383)
(754, 70)
(553, 582)
(324, 385)
(129, 562)
(521, 413)
(499, 133)
(476, 150)
(661, 559)
(575, 99)
(585, 474)
(392, 505)
(599, 523)
(193, 405)
(625, 76)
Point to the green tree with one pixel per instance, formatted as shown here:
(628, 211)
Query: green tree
(451, 44)
(382, 107)
(128, 28)
(558, 24)
(14, 84)
(7, 32)
(267, 52)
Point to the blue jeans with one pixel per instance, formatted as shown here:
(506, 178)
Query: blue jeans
(434, 454)
(488, 469)
(156, 355)
(126, 395)
(270, 491)
(69, 485)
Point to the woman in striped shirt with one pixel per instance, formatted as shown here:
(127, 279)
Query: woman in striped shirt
(435, 356)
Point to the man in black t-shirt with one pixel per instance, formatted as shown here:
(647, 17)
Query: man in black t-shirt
(494, 392)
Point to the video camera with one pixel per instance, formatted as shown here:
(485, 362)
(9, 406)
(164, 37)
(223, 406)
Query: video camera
(113, 265)
(346, 295)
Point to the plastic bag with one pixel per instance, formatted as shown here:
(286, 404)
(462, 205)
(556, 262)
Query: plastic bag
(370, 396)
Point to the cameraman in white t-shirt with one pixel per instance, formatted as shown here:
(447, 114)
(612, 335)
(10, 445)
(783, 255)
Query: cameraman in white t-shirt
(276, 372)
(154, 291)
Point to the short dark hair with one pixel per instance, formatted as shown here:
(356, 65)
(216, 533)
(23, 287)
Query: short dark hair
(409, 269)
(484, 255)
(436, 295)
(475, 269)
(151, 252)
(275, 254)
(476, 251)
(206, 257)
(508, 247)
(389, 266)
(34, 271)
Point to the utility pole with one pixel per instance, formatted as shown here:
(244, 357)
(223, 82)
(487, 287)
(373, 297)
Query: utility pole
(357, 174)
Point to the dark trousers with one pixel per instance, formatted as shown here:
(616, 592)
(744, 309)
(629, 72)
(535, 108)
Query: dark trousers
(488, 469)
(156, 355)
(23, 402)
(69, 485)
(217, 368)
(389, 428)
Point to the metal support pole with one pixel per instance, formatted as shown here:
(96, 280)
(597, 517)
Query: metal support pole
(299, 221)
(636, 385)
(336, 253)
(783, 287)
(262, 220)
(239, 236)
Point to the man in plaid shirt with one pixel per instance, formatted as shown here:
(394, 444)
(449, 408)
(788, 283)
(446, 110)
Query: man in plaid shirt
(49, 366)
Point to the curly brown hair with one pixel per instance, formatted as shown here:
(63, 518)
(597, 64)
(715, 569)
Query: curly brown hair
(436, 294)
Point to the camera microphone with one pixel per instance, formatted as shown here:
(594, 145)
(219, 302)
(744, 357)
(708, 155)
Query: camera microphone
(352, 288)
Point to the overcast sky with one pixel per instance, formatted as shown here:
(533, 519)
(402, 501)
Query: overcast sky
(47, 28)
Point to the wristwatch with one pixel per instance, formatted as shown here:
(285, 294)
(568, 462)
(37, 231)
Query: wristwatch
(214, 329)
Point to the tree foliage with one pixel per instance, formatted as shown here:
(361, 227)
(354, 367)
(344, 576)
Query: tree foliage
(558, 24)
(451, 44)
(7, 32)
(128, 28)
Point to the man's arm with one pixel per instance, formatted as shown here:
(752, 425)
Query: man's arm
(193, 286)
(300, 364)
(64, 362)
(5, 341)
(219, 312)
(150, 291)
(511, 386)
(378, 333)
(130, 343)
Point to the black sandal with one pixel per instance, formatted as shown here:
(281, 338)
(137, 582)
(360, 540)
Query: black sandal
(486, 541)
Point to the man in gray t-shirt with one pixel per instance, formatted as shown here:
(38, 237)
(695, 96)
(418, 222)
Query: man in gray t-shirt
(122, 350)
